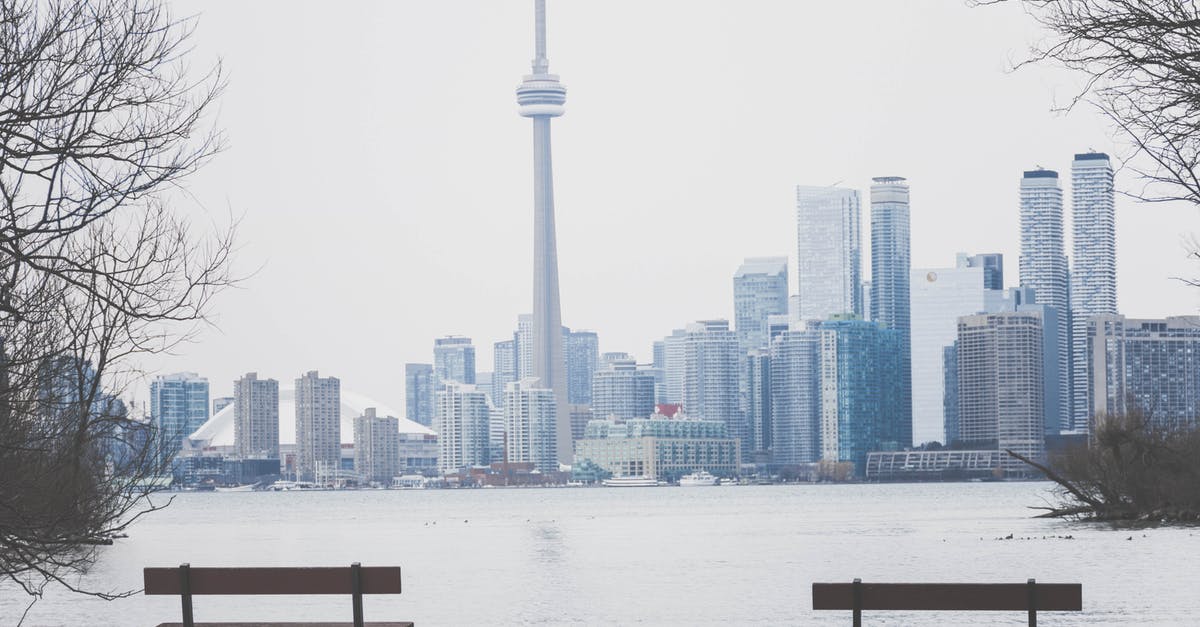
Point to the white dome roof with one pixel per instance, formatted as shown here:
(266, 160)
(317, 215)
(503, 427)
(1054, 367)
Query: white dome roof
(218, 431)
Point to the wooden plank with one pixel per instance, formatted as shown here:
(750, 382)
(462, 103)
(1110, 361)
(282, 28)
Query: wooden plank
(334, 580)
(366, 624)
(1051, 597)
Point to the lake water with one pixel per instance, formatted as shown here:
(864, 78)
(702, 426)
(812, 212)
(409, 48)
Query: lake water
(742, 555)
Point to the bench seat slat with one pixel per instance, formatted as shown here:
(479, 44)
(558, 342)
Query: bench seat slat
(366, 624)
(949, 596)
(254, 581)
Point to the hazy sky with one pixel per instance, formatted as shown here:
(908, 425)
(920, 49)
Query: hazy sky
(385, 178)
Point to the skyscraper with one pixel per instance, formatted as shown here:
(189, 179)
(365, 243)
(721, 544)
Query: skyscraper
(759, 290)
(376, 447)
(828, 252)
(453, 360)
(710, 384)
(318, 427)
(891, 265)
(541, 97)
(221, 402)
(1094, 265)
(623, 391)
(464, 427)
(256, 417)
(674, 365)
(523, 339)
(1043, 267)
(583, 357)
(796, 395)
(418, 393)
(504, 368)
(529, 419)
(939, 296)
(1000, 383)
(757, 377)
(178, 406)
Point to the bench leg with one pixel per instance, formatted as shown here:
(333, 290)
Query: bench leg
(1032, 603)
(185, 594)
(356, 591)
(857, 602)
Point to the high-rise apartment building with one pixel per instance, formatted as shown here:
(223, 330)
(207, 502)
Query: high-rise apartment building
(891, 266)
(757, 378)
(1000, 383)
(1043, 267)
(710, 385)
(453, 360)
(583, 357)
(828, 252)
(256, 417)
(221, 402)
(530, 423)
(178, 406)
(523, 337)
(318, 427)
(862, 401)
(377, 447)
(623, 391)
(465, 427)
(504, 368)
(939, 296)
(1094, 265)
(674, 365)
(418, 393)
(1148, 366)
(796, 395)
(760, 290)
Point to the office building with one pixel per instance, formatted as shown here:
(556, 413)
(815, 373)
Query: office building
(530, 420)
(796, 395)
(256, 417)
(377, 447)
(178, 405)
(318, 427)
(828, 252)
(418, 393)
(453, 360)
(1093, 265)
(759, 290)
(623, 391)
(1000, 384)
(583, 357)
(1147, 366)
(465, 427)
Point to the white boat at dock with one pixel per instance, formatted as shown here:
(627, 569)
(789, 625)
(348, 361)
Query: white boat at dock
(630, 482)
(702, 477)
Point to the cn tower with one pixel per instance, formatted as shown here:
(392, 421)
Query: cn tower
(541, 97)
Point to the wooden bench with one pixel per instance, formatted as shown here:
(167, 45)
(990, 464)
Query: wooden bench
(1030, 597)
(355, 581)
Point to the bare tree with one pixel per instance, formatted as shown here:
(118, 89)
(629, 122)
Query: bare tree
(101, 121)
(1141, 64)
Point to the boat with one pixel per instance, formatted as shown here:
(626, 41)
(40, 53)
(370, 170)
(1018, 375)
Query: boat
(249, 487)
(630, 482)
(702, 477)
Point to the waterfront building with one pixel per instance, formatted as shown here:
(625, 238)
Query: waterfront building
(496, 432)
(256, 417)
(1093, 266)
(418, 393)
(464, 427)
(178, 406)
(377, 447)
(757, 365)
(583, 358)
(674, 365)
(219, 403)
(541, 97)
(504, 368)
(759, 290)
(318, 427)
(623, 391)
(1000, 384)
(530, 420)
(863, 405)
(453, 360)
(1043, 267)
(658, 447)
(891, 267)
(939, 296)
(795, 374)
(580, 416)
(710, 386)
(1150, 366)
(828, 252)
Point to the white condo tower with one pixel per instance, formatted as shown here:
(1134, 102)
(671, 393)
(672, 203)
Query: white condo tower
(541, 97)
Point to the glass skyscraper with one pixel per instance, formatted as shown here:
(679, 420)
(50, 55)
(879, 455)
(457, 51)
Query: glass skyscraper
(1094, 265)
(582, 349)
(759, 290)
(891, 264)
(178, 406)
(453, 360)
(795, 373)
(828, 252)
(710, 385)
(623, 391)
(1043, 267)
(418, 393)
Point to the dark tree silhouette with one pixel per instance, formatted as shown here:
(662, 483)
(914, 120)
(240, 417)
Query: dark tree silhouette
(101, 121)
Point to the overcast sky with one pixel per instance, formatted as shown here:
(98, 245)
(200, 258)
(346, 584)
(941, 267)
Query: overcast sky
(385, 179)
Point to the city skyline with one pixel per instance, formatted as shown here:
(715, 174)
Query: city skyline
(751, 205)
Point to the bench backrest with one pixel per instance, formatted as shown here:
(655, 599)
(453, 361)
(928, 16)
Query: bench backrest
(335, 580)
(1047, 597)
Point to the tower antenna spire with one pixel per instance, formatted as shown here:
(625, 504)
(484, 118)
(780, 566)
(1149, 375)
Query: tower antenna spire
(541, 65)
